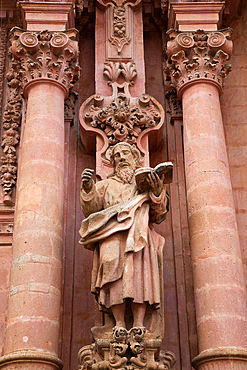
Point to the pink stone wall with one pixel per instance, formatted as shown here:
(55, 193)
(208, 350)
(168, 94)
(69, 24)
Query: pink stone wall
(234, 112)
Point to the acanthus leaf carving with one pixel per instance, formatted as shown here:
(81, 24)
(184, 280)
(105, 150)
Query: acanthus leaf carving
(46, 54)
(113, 71)
(199, 54)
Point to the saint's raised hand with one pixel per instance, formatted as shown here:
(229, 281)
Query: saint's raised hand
(86, 179)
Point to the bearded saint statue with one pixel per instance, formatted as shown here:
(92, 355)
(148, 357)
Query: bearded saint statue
(119, 229)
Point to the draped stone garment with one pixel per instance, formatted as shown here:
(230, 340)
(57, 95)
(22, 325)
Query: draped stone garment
(126, 248)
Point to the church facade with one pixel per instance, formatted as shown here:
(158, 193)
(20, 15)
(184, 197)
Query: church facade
(66, 67)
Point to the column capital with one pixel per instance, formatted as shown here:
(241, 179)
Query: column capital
(199, 56)
(45, 54)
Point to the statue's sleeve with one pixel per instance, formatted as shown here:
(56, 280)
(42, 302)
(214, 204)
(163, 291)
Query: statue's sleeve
(159, 206)
(94, 200)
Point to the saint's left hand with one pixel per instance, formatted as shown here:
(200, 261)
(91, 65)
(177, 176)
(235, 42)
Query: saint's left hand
(156, 183)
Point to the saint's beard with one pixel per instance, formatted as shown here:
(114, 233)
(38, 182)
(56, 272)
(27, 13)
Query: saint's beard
(125, 173)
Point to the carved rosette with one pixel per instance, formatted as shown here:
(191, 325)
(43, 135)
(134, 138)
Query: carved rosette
(34, 55)
(198, 55)
(125, 349)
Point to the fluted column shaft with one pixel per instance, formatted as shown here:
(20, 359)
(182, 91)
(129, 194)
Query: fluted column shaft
(197, 69)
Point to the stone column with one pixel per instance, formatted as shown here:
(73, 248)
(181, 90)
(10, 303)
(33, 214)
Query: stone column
(196, 66)
(46, 63)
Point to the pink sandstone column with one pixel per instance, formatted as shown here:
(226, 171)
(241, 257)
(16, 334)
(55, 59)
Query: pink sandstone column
(197, 67)
(35, 288)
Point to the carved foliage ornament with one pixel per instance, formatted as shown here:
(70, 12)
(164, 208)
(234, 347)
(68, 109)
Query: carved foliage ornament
(199, 54)
(46, 55)
(10, 138)
(175, 106)
(120, 120)
(119, 36)
(128, 350)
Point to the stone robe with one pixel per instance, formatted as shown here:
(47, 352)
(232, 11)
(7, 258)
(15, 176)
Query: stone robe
(127, 250)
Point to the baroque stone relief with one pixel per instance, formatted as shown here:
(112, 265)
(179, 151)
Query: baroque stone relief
(120, 117)
(11, 132)
(119, 18)
(119, 37)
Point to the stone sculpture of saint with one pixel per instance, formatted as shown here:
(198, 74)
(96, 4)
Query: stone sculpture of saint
(119, 229)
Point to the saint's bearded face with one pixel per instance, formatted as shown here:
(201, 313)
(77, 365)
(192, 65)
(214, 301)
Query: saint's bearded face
(124, 163)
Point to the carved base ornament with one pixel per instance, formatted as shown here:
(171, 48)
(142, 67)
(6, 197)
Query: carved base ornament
(126, 349)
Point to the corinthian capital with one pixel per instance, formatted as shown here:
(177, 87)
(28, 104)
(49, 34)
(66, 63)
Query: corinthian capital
(193, 56)
(45, 54)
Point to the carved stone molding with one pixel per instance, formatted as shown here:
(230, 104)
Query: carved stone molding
(34, 55)
(128, 350)
(197, 56)
(221, 358)
(30, 360)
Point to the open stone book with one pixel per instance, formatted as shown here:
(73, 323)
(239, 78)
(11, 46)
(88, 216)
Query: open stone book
(141, 175)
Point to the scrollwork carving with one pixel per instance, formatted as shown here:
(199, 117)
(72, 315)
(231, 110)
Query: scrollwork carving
(199, 54)
(119, 37)
(126, 349)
